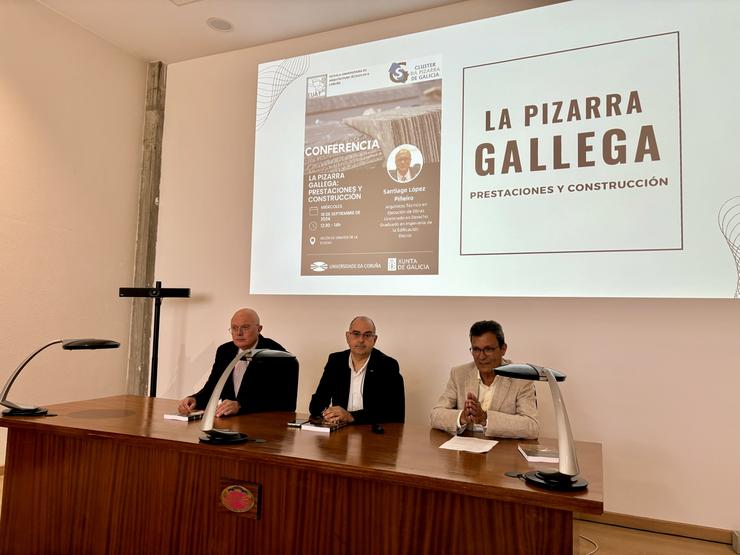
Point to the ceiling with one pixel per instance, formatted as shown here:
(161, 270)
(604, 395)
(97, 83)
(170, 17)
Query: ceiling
(176, 30)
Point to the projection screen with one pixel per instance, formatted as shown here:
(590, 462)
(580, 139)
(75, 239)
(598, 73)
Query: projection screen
(583, 149)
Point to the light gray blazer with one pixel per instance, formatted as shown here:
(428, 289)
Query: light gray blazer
(513, 411)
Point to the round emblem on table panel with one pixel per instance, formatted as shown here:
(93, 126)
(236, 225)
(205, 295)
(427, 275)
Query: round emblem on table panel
(237, 499)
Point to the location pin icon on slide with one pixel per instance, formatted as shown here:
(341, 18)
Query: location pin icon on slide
(312, 240)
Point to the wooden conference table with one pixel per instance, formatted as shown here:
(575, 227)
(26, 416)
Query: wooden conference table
(113, 476)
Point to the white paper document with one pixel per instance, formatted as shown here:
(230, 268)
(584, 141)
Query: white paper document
(472, 444)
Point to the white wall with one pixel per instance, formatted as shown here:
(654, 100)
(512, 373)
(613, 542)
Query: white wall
(71, 120)
(654, 380)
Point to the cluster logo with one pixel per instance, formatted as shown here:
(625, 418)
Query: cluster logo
(398, 72)
(316, 86)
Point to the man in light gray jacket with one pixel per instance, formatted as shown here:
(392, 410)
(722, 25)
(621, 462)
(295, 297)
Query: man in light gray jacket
(478, 399)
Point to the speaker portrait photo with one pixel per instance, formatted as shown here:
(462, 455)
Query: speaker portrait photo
(404, 163)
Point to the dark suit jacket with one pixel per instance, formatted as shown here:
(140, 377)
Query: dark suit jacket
(413, 172)
(269, 384)
(382, 393)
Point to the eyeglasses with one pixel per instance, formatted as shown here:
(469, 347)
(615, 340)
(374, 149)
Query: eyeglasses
(235, 330)
(485, 350)
(357, 334)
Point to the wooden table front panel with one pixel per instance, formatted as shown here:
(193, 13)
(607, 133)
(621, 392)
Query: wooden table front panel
(97, 492)
(71, 495)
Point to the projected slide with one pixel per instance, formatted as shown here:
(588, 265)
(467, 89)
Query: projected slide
(506, 157)
(581, 165)
(371, 170)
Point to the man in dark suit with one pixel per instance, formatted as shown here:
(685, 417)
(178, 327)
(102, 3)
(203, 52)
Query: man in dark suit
(360, 385)
(262, 384)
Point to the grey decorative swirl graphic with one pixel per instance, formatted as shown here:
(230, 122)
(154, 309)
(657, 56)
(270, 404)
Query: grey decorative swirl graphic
(729, 224)
(273, 80)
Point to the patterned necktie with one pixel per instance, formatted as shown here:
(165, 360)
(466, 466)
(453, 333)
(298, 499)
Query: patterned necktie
(238, 374)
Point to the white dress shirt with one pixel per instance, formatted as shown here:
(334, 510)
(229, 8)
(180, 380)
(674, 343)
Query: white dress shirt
(356, 383)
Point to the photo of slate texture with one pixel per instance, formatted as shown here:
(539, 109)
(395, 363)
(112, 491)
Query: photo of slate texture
(406, 114)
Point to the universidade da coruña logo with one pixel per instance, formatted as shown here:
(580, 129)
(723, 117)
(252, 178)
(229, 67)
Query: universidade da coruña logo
(398, 72)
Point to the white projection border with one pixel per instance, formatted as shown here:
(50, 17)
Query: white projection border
(597, 162)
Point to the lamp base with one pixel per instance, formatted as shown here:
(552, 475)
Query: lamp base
(225, 437)
(554, 480)
(30, 411)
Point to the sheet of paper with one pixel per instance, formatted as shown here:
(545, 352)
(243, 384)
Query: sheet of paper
(472, 444)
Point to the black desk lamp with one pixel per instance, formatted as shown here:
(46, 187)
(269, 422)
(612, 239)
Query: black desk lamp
(566, 476)
(68, 344)
(221, 436)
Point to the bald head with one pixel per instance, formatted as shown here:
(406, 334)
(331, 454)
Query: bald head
(245, 328)
(247, 313)
(363, 319)
(361, 338)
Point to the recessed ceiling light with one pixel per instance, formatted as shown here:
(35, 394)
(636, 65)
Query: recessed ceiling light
(218, 24)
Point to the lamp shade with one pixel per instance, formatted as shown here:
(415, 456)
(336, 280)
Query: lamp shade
(80, 344)
(528, 372)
